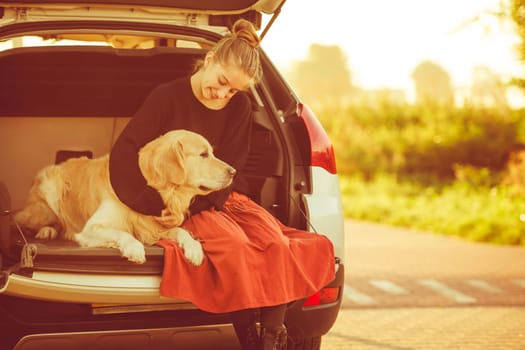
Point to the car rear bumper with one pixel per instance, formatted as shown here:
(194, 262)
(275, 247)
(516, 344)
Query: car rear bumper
(314, 321)
(35, 314)
(95, 288)
(219, 337)
(86, 288)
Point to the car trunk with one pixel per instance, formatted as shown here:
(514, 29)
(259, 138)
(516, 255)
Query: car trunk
(72, 101)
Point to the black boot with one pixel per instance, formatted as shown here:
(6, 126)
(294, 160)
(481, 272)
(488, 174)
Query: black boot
(247, 329)
(249, 337)
(274, 338)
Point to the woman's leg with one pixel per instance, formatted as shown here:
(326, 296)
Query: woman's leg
(273, 332)
(244, 322)
(271, 335)
(273, 316)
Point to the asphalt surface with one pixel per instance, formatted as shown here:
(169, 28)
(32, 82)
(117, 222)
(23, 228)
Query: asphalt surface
(415, 290)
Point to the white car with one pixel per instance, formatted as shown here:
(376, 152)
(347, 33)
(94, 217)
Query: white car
(71, 75)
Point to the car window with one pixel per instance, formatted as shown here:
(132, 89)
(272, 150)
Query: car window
(134, 42)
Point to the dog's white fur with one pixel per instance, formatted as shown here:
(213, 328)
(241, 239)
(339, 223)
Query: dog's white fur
(75, 199)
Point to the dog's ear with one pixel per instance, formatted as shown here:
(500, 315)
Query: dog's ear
(177, 170)
(162, 163)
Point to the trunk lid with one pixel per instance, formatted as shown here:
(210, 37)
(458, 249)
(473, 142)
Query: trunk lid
(215, 15)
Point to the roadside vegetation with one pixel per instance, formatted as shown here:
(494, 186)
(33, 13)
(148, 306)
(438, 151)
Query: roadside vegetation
(456, 171)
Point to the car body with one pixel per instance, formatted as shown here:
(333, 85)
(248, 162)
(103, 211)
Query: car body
(72, 74)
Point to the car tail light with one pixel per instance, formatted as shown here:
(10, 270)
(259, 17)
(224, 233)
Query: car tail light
(322, 151)
(324, 296)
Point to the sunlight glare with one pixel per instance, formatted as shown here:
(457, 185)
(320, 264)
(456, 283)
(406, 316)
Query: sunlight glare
(385, 40)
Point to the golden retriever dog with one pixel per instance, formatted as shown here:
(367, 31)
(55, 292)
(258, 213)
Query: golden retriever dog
(75, 200)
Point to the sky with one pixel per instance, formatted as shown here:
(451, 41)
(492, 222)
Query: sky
(384, 40)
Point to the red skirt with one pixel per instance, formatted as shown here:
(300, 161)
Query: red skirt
(251, 260)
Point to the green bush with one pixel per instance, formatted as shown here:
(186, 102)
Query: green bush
(408, 140)
(437, 170)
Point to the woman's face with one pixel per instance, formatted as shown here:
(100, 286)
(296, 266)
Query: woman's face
(222, 81)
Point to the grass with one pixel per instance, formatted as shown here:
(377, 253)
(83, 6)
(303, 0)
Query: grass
(482, 213)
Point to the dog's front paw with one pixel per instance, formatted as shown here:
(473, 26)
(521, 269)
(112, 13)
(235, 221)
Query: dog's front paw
(47, 232)
(193, 252)
(134, 251)
(191, 247)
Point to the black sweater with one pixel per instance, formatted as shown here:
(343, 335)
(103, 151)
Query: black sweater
(173, 106)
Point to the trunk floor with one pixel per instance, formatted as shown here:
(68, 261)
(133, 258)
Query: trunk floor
(66, 256)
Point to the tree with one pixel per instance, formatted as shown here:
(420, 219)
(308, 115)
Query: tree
(323, 78)
(432, 85)
(517, 13)
(487, 88)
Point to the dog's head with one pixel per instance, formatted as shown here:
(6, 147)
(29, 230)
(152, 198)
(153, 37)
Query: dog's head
(182, 158)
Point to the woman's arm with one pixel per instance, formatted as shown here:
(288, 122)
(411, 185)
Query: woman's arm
(125, 175)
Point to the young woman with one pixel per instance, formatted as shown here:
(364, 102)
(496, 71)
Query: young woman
(253, 262)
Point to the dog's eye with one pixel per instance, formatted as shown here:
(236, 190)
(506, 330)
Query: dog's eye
(205, 154)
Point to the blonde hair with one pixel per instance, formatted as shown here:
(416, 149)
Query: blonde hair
(240, 48)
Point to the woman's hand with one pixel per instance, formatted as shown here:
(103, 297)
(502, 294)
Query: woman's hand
(167, 219)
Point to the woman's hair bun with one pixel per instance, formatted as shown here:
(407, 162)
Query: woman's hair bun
(244, 29)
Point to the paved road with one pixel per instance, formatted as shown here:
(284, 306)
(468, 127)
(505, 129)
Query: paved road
(395, 267)
(460, 328)
(412, 290)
